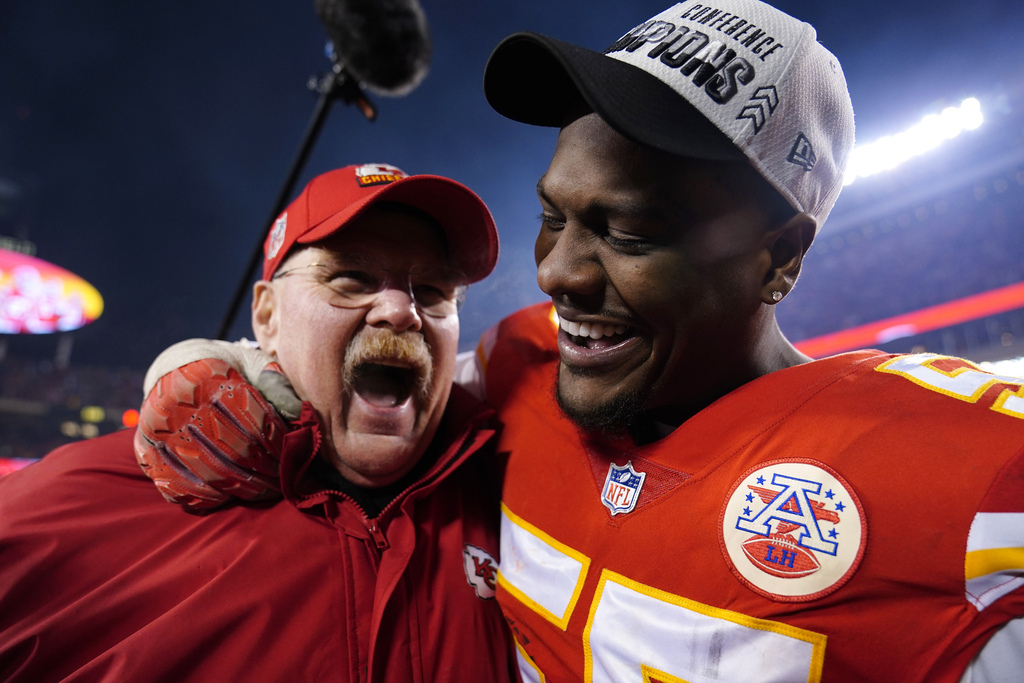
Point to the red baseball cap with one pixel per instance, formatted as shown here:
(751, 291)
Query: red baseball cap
(332, 200)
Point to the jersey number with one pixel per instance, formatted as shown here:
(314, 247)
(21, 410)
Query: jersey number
(966, 382)
(639, 633)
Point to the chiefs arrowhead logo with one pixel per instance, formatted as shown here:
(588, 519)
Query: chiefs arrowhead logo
(378, 174)
(481, 570)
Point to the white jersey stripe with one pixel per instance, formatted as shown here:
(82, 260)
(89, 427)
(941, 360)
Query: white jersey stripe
(994, 564)
(996, 530)
(543, 574)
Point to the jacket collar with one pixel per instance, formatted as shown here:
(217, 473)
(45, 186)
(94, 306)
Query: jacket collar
(466, 426)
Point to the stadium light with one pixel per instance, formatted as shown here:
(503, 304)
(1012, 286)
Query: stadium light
(892, 150)
(93, 414)
(130, 417)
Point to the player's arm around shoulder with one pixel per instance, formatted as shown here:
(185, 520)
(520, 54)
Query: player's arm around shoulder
(212, 424)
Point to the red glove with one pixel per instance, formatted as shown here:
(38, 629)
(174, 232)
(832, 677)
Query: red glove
(206, 436)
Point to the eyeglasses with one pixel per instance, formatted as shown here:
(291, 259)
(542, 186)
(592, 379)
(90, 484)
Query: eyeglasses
(436, 292)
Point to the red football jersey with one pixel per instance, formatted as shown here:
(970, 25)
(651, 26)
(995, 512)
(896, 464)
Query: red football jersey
(858, 518)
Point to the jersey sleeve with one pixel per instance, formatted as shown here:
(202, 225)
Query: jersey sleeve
(1002, 658)
(994, 563)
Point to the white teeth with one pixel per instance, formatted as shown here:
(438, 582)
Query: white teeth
(592, 330)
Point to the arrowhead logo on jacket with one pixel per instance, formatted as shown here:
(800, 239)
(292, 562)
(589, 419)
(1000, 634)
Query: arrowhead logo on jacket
(481, 570)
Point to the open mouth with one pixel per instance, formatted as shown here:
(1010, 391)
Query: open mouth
(596, 335)
(384, 386)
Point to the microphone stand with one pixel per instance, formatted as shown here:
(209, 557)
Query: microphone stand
(339, 84)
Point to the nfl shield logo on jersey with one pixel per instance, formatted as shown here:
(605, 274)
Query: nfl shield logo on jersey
(622, 488)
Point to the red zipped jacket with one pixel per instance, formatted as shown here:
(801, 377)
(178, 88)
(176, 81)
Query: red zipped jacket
(102, 580)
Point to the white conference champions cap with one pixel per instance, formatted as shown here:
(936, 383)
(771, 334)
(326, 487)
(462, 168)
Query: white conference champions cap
(730, 79)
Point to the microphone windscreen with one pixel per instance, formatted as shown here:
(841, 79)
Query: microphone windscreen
(383, 43)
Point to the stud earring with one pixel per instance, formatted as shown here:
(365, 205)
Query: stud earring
(776, 296)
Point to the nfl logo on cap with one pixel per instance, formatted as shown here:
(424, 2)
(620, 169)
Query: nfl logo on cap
(622, 488)
(277, 236)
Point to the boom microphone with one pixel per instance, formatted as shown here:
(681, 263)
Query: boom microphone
(385, 44)
(380, 45)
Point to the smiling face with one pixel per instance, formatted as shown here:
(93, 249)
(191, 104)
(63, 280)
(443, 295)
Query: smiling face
(378, 374)
(660, 269)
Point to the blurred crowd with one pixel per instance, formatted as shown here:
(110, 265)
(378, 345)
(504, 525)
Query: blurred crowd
(43, 406)
(967, 241)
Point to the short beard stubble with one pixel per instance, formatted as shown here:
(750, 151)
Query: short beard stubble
(614, 416)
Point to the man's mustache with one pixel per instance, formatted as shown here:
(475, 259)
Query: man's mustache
(384, 346)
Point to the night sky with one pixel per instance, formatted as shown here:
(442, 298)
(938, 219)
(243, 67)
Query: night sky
(149, 140)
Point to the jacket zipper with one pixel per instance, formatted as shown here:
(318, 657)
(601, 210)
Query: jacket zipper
(374, 528)
(378, 535)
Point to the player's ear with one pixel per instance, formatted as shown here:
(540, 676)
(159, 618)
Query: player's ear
(265, 315)
(788, 246)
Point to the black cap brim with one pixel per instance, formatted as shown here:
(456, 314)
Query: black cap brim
(535, 79)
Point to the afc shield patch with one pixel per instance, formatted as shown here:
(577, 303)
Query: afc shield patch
(481, 570)
(622, 488)
(793, 530)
